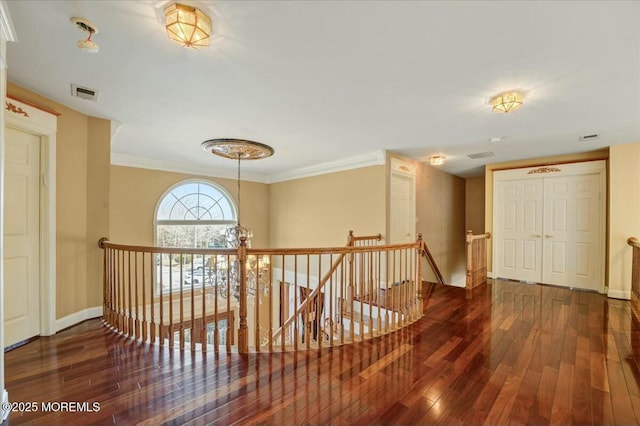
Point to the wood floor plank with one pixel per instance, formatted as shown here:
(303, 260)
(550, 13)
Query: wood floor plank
(512, 354)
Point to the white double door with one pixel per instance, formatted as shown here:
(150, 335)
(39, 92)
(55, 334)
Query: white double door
(549, 225)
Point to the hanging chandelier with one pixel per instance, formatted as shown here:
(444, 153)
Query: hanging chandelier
(240, 149)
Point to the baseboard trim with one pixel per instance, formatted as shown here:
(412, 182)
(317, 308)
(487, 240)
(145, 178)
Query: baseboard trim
(619, 294)
(78, 317)
(5, 401)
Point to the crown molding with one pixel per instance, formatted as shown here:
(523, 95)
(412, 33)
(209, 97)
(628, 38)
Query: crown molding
(374, 158)
(7, 30)
(126, 160)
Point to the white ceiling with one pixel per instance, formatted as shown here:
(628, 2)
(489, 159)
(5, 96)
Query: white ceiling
(323, 80)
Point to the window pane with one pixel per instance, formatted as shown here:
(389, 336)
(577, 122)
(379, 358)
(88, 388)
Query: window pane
(196, 236)
(195, 201)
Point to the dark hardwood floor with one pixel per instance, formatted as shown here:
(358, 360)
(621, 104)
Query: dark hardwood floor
(515, 353)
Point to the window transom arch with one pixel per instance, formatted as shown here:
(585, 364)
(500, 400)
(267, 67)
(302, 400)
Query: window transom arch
(194, 213)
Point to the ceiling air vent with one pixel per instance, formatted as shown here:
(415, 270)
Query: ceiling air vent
(481, 155)
(592, 137)
(84, 92)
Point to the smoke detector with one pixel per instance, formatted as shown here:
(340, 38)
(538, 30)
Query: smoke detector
(87, 26)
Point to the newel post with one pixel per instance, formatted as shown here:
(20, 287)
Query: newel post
(420, 292)
(106, 297)
(469, 258)
(243, 333)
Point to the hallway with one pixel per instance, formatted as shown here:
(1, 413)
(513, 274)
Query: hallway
(515, 353)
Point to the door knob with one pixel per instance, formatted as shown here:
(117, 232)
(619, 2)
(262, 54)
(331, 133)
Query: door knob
(548, 236)
(537, 236)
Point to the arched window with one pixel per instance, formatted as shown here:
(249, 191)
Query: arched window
(194, 214)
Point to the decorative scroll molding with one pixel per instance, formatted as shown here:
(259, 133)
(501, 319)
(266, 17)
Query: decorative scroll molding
(542, 170)
(34, 105)
(15, 109)
(403, 167)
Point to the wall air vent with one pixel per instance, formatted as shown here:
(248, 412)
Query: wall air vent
(84, 92)
(592, 137)
(481, 155)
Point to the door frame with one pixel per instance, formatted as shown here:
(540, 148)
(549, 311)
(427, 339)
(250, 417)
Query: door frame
(28, 118)
(403, 169)
(598, 167)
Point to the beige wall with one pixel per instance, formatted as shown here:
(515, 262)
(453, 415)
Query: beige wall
(98, 172)
(474, 204)
(82, 167)
(440, 208)
(319, 211)
(135, 194)
(624, 216)
(490, 168)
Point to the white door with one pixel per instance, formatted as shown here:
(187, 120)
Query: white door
(21, 237)
(572, 231)
(402, 225)
(518, 230)
(549, 225)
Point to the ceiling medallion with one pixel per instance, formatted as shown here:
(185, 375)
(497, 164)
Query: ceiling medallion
(541, 170)
(237, 149)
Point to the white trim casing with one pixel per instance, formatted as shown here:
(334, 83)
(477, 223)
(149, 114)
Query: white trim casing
(5, 400)
(7, 30)
(43, 124)
(7, 33)
(619, 294)
(78, 317)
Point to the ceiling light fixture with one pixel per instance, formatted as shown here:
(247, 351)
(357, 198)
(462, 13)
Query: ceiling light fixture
(436, 160)
(507, 102)
(237, 149)
(187, 26)
(87, 26)
(241, 149)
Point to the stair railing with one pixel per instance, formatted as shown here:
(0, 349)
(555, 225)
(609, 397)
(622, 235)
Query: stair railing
(476, 259)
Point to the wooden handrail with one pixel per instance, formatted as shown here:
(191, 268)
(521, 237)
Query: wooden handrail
(105, 243)
(633, 242)
(480, 236)
(432, 262)
(310, 297)
(157, 293)
(350, 243)
(376, 237)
